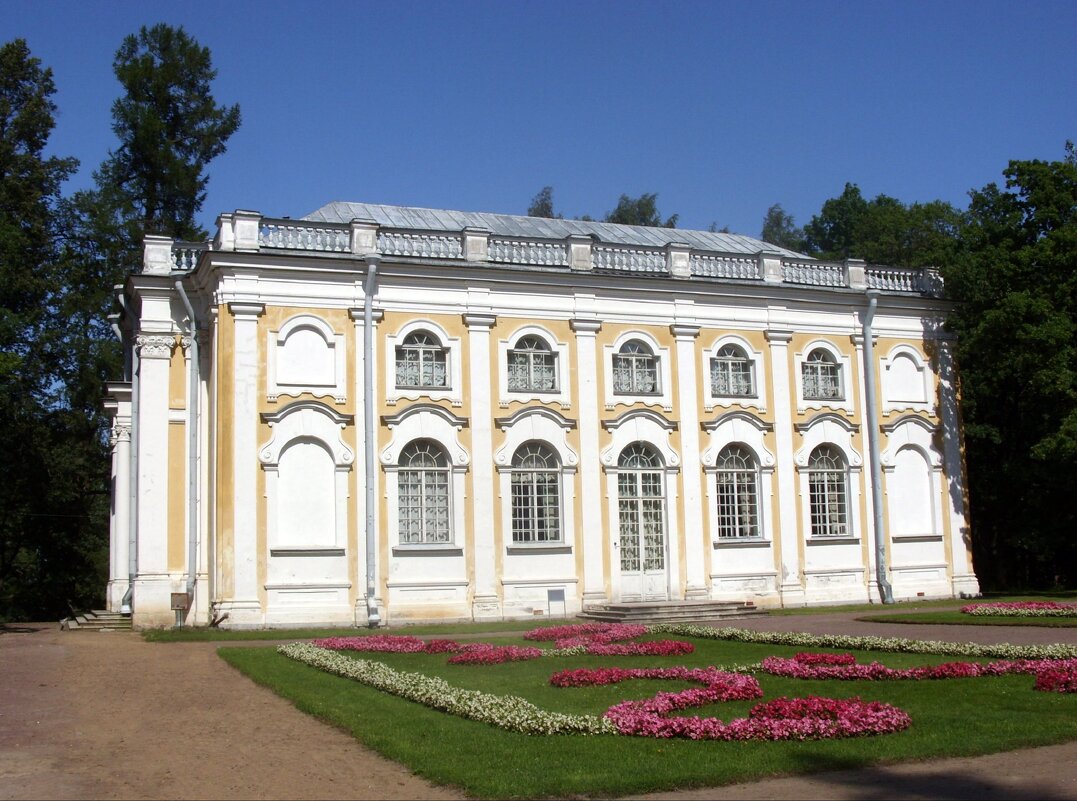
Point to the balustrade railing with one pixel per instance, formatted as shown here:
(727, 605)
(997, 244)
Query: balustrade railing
(185, 254)
(894, 279)
(527, 251)
(708, 266)
(431, 246)
(297, 235)
(629, 260)
(813, 273)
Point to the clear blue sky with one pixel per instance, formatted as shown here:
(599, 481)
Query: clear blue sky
(722, 108)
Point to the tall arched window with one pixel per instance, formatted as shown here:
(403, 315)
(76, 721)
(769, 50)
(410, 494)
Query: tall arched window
(423, 482)
(828, 492)
(738, 493)
(641, 508)
(732, 373)
(821, 376)
(635, 370)
(421, 362)
(536, 495)
(532, 366)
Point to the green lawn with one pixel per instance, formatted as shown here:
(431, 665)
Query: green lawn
(955, 717)
(204, 634)
(957, 618)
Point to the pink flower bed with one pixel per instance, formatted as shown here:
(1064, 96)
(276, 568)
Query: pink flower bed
(1057, 681)
(598, 639)
(780, 719)
(824, 666)
(1022, 608)
(388, 643)
(486, 654)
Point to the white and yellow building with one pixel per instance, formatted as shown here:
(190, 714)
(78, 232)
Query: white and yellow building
(385, 414)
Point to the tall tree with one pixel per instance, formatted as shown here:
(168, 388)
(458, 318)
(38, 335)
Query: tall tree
(642, 210)
(542, 205)
(1016, 323)
(31, 525)
(779, 229)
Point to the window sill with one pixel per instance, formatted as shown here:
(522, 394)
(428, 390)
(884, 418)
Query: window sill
(447, 549)
(833, 540)
(423, 389)
(301, 551)
(810, 399)
(917, 538)
(734, 397)
(746, 542)
(520, 548)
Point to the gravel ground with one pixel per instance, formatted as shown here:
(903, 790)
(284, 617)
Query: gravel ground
(89, 715)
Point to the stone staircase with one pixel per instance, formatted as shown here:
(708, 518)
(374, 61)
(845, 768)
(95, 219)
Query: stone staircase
(670, 611)
(97, 620)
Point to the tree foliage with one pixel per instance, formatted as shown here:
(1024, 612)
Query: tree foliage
(642, 210)
(779, 229)
(542, 205)
(1016, 283)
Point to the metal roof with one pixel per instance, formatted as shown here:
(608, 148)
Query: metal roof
(512, 225)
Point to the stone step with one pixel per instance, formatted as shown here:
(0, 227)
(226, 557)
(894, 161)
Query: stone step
(97, 620)
(669, 611)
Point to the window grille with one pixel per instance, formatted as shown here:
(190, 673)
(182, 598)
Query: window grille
(635, 370)
(732, 373)
(532, 367)
(423, 481)
(536, 494)
(641, 509)
(828, 492)
(821, 376)
(738, 494)
(421, 363)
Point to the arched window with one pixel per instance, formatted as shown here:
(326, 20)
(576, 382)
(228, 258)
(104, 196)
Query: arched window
(532, 366)
(641, 509)
(635, 370)
(421, 362)
(821, 376)
(738, 493)
(732, 373)
(828, 492)
(423, 483)
(536, 495)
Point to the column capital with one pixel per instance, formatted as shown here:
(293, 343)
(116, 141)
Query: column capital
(474, 320)
(155, 346)
(684, 331)
(779, 336)
(357, 315)
(246, 309)
(582, 326)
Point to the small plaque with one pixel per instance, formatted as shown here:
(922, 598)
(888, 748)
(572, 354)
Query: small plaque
(179, 602)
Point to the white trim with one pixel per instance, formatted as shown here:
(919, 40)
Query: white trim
(664, 397)
(915, 433)
(639, 426)
(334, 342)
(891, 404)
(560, 352)
(758, 401)
(844, 362)
(454, 393)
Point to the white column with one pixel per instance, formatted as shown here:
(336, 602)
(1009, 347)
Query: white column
(152, 599)
(790, 584)
(965, 583)
(695, 531)
(120, 519)
(594, 585)
(486, 603)
(868, 529)
(244, 609)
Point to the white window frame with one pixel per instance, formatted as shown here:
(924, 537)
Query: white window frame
(748, 431)
(560, 352)
(887, 363)
(758, 400)
(844, 363)
(662, 399)
(334, 342)
(536, 424)
(830, 429)
(431, 422)
(454, 393)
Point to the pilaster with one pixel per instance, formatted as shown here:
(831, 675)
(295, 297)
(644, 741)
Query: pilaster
(594, 585)
(695, 530)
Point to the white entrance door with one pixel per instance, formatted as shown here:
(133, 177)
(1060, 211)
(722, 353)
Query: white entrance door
(642, 525)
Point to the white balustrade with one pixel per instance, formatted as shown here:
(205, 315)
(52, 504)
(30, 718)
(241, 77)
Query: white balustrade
(630, 260)
(717, 266)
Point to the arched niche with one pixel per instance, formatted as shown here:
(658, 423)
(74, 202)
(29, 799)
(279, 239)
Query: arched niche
(305, 355)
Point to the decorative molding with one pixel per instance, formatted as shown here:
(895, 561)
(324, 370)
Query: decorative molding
(633, 414)
(823, 417)
(472, 320)
(683, 330)
(392, 421)
(246, 309)
(894, 425)
(155, 346)
(515, 417)
(728, 417)
(585, 326)
(338, 418)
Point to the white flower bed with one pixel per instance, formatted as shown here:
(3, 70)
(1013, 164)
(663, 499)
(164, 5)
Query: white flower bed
(893, 644)
(504, 711)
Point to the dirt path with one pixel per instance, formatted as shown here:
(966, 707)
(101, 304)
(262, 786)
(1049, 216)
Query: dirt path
(86, 715)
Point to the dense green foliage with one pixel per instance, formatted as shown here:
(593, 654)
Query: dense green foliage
(642, 210)
(60, 259)
(779, 229)
(957, 717)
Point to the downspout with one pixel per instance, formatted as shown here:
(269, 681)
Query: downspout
(127, 602)
(192, 449)
(871, 416)
(372, 261)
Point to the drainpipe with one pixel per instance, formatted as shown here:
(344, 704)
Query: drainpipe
(871, 415)
(372, 261)
(127, 602)
(192, 449)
